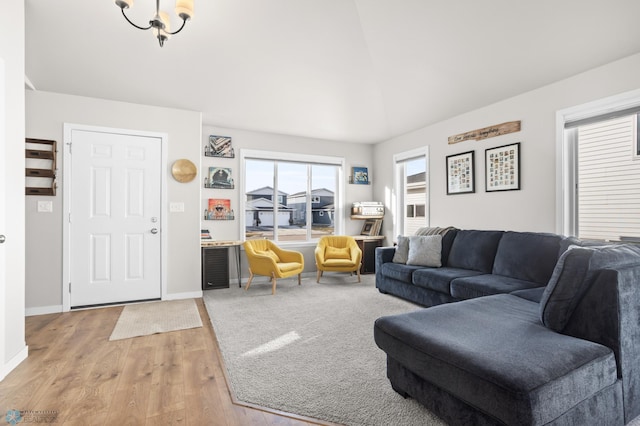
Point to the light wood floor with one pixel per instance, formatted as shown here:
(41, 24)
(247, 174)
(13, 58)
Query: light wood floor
(163, 379)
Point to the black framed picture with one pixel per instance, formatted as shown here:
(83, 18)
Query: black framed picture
(502, 168)
(460, 173)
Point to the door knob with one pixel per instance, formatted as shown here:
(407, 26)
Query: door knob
(2, 239)
(154, 230)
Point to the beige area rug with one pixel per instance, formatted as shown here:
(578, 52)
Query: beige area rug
(156, 317)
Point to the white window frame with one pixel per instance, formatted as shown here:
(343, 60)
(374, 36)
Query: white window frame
(251, 154)
(399, 205)
(566, 139)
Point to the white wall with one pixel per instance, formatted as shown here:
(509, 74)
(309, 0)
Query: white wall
(45, 115)
(12, 338)
(533, 207)
(354, 154)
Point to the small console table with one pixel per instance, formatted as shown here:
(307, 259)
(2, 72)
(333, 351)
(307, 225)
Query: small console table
(215, 263)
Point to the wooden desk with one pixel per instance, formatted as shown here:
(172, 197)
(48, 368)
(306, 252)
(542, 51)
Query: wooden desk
(215, 263)
(368, 246)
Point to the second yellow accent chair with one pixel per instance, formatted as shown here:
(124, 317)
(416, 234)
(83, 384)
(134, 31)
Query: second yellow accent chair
(266, 258)
(338, 253)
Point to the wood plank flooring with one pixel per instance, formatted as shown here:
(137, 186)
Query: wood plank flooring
(163, 379)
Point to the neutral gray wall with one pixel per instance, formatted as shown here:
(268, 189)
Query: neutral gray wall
(533, 208)
(45, 115)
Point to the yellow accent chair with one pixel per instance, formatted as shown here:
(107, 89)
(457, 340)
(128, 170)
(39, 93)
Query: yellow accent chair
(338, 253)
(266, 258)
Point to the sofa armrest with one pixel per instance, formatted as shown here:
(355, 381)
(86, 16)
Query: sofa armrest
(609, 314)
(384, 255)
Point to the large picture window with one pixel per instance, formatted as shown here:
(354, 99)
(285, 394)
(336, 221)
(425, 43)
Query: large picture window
(306, 190)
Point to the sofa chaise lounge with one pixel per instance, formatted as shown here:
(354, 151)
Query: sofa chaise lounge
(562, 352)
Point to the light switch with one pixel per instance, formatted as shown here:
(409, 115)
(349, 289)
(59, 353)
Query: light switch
(45, 206)
(176, 207)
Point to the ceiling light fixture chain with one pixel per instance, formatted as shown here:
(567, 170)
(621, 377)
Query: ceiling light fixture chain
(160, 22)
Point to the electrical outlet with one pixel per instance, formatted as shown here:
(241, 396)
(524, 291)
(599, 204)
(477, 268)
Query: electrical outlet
(45, 206)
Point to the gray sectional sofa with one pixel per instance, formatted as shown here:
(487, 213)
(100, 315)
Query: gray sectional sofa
(475, 263)
(548, 332)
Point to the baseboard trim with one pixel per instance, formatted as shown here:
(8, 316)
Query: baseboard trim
(178, 296)
(14, 362)
(43, 310)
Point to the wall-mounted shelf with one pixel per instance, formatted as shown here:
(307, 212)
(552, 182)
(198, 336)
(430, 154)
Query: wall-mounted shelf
(360, 216)
(36, 158)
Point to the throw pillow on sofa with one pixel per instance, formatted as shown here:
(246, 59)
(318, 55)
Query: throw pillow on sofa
(402, 250)
(425, 251)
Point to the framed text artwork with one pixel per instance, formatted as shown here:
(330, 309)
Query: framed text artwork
(502, 168)
(219, 146)
(460, 173)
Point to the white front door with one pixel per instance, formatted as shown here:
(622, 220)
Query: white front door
(114, 223)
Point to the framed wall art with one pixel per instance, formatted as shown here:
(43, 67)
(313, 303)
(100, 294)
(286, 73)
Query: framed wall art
(219, 146)
(460, 173)
(359, 175)
(219, 209)
(502, 168)
(219, 177)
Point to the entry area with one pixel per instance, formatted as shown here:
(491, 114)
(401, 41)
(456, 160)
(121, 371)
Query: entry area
(114, 188)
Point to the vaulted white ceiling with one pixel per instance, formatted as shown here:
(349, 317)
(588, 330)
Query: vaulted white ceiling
(346, 70)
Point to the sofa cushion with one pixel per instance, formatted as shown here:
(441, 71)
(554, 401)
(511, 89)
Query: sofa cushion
(439, 279)
(527, 256)
(474, 250)
(573, 275)
(425, 251)
(402, 250)
(398, 271)
(494, 354)
(532, 294)
(486, 285)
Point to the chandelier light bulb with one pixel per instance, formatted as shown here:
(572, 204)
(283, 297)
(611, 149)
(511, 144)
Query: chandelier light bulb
(184, 9)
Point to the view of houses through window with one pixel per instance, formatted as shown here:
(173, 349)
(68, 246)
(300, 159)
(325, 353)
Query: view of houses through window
(608, 180)
(289, 201)
(412, 194)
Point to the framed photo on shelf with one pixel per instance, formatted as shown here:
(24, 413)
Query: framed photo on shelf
(219, 177)
(502, 168)
(219, 209)
(368, 227)
(359, 175)
(461, 173)
(219, 146)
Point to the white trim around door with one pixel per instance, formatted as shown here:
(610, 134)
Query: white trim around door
(67, 179)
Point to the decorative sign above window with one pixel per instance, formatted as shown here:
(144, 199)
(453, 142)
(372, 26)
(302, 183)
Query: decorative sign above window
(487, 132)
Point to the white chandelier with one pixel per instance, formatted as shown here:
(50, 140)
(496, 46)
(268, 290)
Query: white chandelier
(160, 23)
